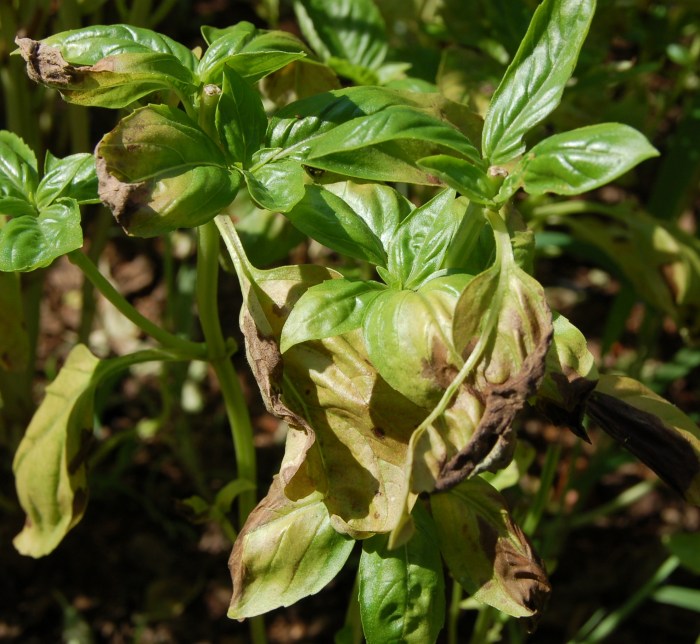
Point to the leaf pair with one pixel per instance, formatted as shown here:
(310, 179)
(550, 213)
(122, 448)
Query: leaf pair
(44, 214)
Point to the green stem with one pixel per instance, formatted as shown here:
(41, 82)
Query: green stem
(539, 503)
(192, 349)
(236, 408)
(453, 614)
(626, 498)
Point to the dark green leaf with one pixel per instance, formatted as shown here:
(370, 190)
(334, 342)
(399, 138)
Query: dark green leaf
(583, 159)
(30, 242)
(18, 170)
(463, 176)
(685, 546)
(276, 185)
(240, 117)
(331, 308)
(487, 552)
(351, 30)
(330, 220)
(534, 82)
(17, 207)
(73, 176)
(402, 591)
(286, 550)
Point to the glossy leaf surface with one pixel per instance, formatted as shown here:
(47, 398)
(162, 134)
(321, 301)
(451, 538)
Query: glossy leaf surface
(534, 81)
(276, 185)
(18, 168)
(73, 176)
(402, 592)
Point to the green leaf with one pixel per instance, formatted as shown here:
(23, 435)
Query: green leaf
(463, 176)
(655, 431)
(18, 169)
(402, 591)
(583, 159)
(407, 334)
(237, 35)
(49, 465)
(352, 30)
(331, 308)
(298, 80)
(276, 185)
(253, 54)
(486, 551)
(240, 117)
(685, 546)
(17, 207)
(534, 81)
(328, 219)
(30, 242)
(159, 171)
(73, 176)
(286, 550)
(114, 81)
(89, 45)
(424, 238)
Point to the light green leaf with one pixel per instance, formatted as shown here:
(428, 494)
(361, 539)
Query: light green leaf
(286, 550)
(49, 465)
(583, 159)
(159, 171)
(328, 219)
(240, 117)
(534, 81)
(73, 176)
(486, 551)
(276, 185)
(18, 169)
(352, 30)
(424, 238)
(468, 179)
(114, 81)
(655, 431)
(237, 35)
(402, 591)
(29, 242)
(331, 308)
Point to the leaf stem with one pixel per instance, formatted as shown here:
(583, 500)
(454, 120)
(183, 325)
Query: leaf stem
(236, 408)
(193, 350)
(539, 503)
(453, 614)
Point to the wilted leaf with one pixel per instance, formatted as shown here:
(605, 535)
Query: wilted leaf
(286, 550)
(49, 465)
(402, 591)
(655, 431)
(487, 552)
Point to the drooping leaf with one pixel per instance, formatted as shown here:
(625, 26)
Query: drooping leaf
(534, 81)
(286, 550)
(331, 308)
(114, 81)
(240, 117)
(14, 339)
(49, 464)
(159, 171)
(18, 169)
(570, 376)
(352, 31)
(402, 593)
(327, 218)
(584, 159)
(487, 552)
(277, 184)
(655, 431)
(73, 176)
(30, 242)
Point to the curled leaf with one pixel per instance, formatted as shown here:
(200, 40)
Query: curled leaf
(655, 431)
(487, 552)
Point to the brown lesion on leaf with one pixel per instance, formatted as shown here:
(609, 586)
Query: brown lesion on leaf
(491, 445)
(46, 64)
(645, 435)
(574, 391)
(123, 199)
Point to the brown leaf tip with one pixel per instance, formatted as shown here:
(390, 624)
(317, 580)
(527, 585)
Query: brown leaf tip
(45, 64)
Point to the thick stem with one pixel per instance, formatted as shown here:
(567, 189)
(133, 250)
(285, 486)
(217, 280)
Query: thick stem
(236, 409)
(192, 349)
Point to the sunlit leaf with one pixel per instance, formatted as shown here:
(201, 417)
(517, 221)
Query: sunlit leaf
(276, 185)
(73, 176)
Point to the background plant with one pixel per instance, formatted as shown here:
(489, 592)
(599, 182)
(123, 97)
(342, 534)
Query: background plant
(294, 167)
